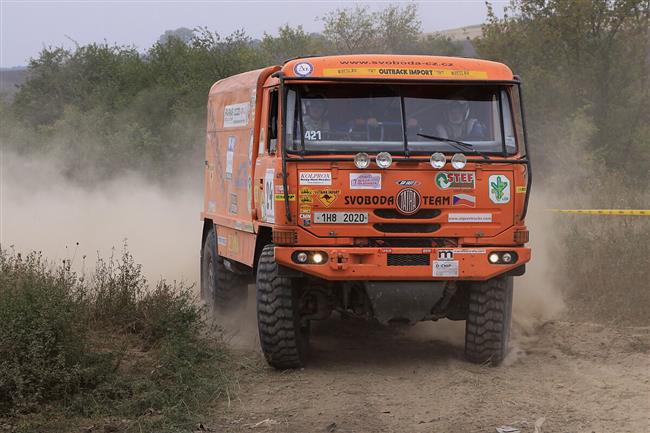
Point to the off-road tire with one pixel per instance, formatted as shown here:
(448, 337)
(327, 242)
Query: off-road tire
(221, 289)
(278, 319)
(487, 329)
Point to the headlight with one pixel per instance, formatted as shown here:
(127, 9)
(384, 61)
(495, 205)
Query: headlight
(458, 161)
(361, 160)
(384, 160)
(438, 160)
(317, 258)
(506, 257)
(301, 257)
(493, 258)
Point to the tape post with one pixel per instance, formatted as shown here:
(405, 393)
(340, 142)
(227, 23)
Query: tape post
(615, 212)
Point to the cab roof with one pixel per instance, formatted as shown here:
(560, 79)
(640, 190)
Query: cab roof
(389, 66)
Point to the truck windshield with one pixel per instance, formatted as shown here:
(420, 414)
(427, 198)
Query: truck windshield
(373, 118)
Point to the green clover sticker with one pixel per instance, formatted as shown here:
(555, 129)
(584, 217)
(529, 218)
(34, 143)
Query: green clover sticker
(498, 188)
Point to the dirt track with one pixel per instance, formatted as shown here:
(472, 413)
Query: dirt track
(362, 377)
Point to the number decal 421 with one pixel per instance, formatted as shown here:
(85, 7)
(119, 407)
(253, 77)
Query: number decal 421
(312, 135)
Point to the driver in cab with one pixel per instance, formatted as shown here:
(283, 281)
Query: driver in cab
(315, 117)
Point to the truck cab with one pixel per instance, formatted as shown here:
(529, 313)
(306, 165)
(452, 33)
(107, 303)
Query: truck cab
(392, 188)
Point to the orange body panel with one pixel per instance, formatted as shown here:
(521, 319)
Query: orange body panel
(385, 66)
(231, 143)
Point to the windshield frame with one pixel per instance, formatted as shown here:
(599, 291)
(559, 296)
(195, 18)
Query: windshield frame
(500, 87)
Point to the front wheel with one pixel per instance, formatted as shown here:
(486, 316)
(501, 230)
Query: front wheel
(282, 337)
(487, 329)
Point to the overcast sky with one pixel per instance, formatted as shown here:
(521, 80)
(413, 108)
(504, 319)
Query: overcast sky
(27, 26)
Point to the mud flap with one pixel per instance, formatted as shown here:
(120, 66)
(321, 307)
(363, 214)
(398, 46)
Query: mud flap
(410, 301)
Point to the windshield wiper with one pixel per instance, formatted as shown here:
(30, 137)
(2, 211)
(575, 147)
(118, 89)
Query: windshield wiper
(460, 145)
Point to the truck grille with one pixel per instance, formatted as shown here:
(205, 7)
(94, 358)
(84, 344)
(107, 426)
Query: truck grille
(393, 214)
(408, 259)
(406, 228)
(418, 242)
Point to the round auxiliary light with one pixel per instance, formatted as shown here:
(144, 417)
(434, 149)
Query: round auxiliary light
(458, 161)
(317, 258)
(493, 258)
(438, 160)
(301, 257)
(506, 257)
(384, 160)
(361, 160)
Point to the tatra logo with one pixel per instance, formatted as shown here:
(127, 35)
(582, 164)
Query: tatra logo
(408, 201)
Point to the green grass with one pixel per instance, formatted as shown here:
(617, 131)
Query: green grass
(106, 350)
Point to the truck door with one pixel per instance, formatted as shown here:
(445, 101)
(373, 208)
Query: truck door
(265, 164)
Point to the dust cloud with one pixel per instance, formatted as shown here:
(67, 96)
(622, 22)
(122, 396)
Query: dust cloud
(41, 210)
(537, 294)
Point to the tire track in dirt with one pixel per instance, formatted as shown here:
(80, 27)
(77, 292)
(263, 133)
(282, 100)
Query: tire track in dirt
(364, 377)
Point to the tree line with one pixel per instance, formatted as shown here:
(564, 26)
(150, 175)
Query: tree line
(585, 66)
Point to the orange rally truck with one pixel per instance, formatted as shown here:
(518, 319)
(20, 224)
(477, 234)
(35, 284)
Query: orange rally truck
(388, 187)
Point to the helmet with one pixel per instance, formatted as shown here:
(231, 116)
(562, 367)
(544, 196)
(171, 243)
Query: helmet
(458, 105)
(317, 100)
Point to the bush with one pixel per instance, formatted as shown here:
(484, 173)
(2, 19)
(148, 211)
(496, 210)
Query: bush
(103, 346)
(43, 334)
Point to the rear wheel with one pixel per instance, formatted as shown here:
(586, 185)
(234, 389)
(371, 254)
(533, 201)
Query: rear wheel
(221, 289)
(487, 329)
(283, 339)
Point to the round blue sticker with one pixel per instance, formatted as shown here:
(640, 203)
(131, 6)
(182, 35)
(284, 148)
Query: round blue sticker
(303, 69)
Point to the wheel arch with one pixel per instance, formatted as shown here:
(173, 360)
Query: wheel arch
(264, 237)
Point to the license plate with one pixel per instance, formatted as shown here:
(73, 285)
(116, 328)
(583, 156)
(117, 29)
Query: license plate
(340, 217)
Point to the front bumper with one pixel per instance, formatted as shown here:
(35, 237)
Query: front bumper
(373, 263)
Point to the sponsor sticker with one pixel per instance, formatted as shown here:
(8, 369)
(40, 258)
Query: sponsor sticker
(521, 189)
(499, 187)
(368, 199)
(408, 182)
(233, 243)
(464, 200)
(455, 180)
(305, 209)
(250, 149)
(328, 196)
(436, 200)
(222, 240)
(445, 255)
(268, 202)
(230, 154)
(315, 178)
(365, 180)
(261, 147)
(406, 72)
(280, 197)
(469, 218)
(236, 115)
(303, 69)
(469, 251)
(233, 203)
(306, 199)
(445, 268)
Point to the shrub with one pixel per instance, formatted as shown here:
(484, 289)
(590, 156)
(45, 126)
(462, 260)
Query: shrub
(106, 345)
